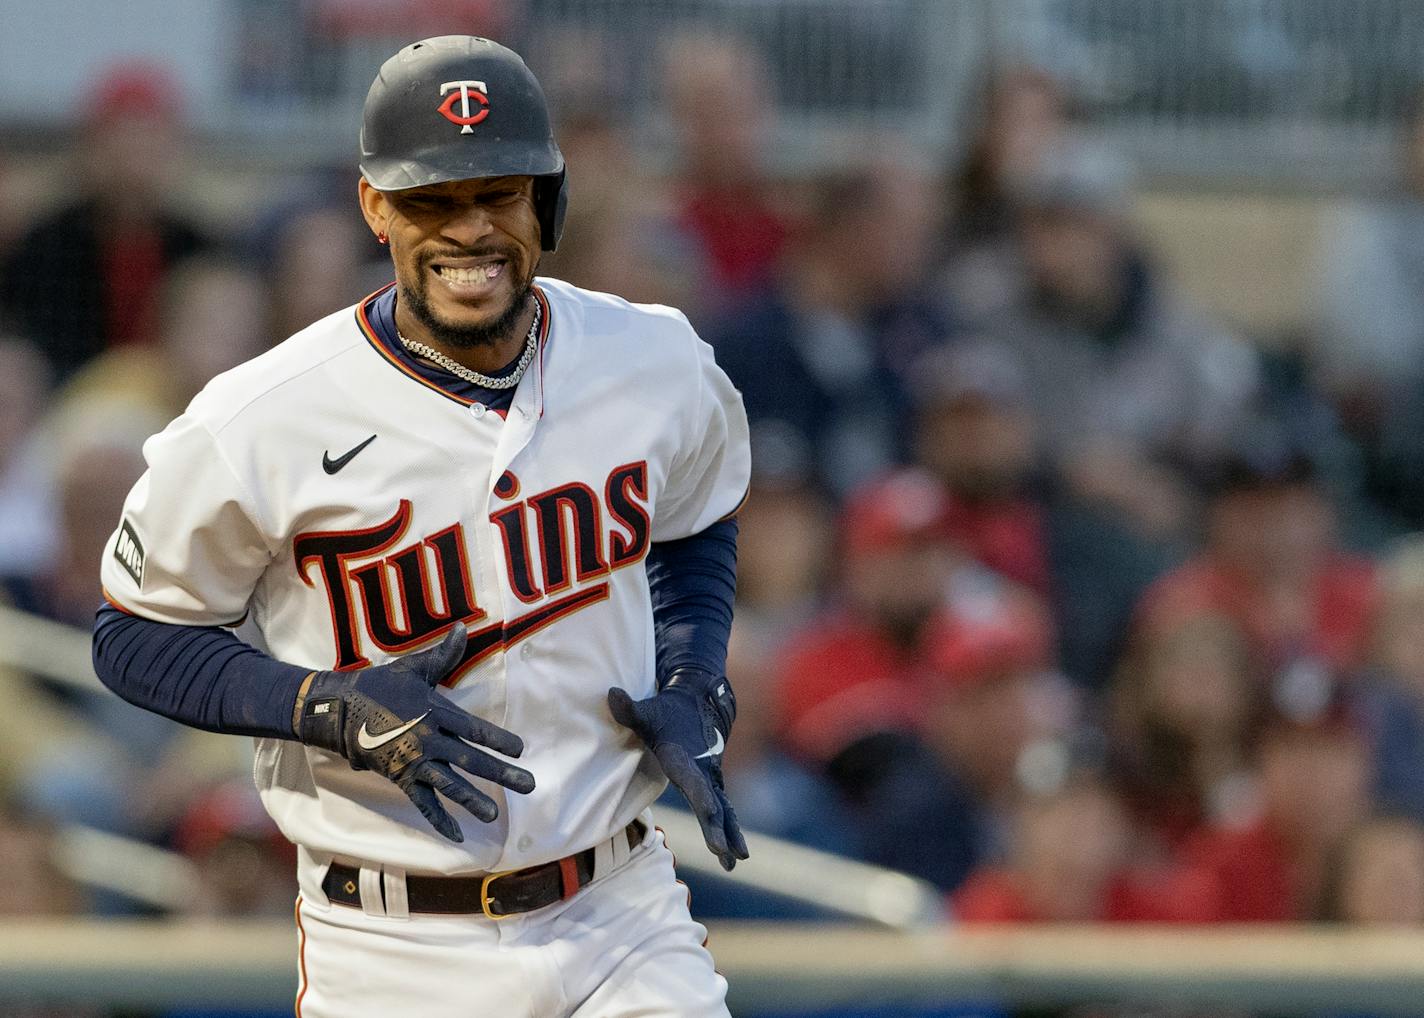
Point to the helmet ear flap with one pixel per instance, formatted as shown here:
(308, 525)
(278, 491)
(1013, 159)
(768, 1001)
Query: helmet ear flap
(551, 201)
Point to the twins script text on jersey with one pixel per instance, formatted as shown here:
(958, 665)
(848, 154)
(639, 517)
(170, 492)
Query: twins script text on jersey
(391, 596)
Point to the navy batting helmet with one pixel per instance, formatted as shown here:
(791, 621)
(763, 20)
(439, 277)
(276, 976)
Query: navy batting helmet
(458, 107)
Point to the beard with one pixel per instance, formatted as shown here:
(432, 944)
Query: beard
(469, 336)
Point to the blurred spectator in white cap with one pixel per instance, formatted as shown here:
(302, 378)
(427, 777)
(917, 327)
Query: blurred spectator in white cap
(1367, 345)
(85, 278)
(1135, 388)
(978, 431)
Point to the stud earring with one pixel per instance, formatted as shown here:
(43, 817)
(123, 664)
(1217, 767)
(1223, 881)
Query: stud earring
(382, 238)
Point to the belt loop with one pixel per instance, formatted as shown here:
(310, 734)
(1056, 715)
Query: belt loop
(603, 856)
(393, 882)
(621, 851)
(568, 875)
(372, 901)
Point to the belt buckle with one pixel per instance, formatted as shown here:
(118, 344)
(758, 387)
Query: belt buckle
(485, 895)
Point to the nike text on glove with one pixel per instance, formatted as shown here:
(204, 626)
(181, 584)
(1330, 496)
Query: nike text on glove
(390, 719)
(686, 726)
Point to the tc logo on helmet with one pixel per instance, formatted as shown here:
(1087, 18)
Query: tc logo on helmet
(467, 90)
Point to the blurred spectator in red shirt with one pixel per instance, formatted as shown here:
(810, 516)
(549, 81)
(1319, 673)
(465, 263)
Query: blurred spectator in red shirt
(850, 687)
(86, 278)
(1185, 709)
(855, 669)
(1377, 876)
(1315, 787)
(1274, 564)
(992, 695)
(1136, 389)
(723, 107)
(1069, 862)
(978, 432)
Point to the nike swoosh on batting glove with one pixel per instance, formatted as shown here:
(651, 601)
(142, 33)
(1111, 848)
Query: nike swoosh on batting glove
(686, 726)
(390, 719)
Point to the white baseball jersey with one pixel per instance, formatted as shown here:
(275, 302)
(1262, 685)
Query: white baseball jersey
(530, 526)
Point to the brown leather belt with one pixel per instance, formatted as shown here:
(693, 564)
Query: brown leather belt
(496, 895)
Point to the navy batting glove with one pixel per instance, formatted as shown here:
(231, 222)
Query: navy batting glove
(686, 726)
(390, 719)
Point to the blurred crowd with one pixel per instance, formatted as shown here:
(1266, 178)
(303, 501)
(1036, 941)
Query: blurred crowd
(1054, 589)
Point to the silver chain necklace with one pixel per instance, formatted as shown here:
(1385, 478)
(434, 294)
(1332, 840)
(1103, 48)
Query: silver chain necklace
(509, 381)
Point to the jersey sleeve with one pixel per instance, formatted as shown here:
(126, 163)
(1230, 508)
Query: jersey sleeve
(189, 548)
(708, 478)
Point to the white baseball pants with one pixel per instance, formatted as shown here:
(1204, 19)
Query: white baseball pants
(623, 947)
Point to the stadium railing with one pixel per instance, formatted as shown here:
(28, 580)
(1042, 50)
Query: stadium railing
(790, 967)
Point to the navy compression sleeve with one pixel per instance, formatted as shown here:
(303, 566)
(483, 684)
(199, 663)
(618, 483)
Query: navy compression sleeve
(203, 676)
(693, 583)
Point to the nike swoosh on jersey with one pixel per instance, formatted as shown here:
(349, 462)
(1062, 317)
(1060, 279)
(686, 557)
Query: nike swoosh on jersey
(714, 749)
(331, 466)
(366, 740)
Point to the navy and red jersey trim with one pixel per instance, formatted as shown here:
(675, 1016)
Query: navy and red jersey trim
(383, 340)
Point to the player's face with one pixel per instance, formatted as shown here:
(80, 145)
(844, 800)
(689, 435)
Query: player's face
(465, 253)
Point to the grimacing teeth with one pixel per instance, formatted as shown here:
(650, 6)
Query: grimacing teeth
(476, 274)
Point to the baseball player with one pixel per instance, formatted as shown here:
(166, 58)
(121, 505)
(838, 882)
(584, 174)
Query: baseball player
(475, 535)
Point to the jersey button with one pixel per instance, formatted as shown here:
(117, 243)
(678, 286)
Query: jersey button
(478, 409)
(525, 651)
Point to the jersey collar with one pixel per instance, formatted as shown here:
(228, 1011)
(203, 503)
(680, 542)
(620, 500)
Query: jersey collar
(373, 318)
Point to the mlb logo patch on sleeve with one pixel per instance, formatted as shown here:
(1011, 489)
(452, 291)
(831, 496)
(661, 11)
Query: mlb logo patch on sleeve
(128, 549)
